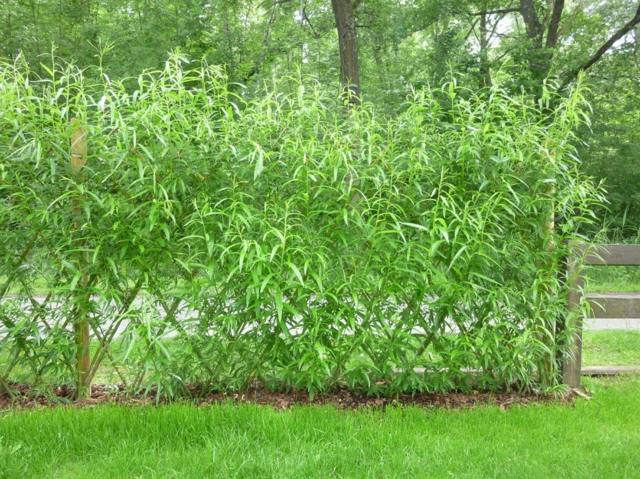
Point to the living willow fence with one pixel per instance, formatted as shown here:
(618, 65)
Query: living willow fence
(174, 231)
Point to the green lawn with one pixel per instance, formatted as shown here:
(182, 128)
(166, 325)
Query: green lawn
(617, 348)
(597, 438)
(622, 279)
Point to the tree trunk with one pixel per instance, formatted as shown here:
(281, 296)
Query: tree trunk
(537, 54)
(344, 12)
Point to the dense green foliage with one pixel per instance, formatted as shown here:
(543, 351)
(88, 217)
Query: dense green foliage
(283, 239)
(597, 438)
(402, 44)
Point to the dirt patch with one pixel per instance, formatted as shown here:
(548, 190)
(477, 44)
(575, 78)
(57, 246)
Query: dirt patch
(24, 397)
(345, 399)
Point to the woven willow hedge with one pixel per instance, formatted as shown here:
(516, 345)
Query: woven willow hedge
(223, 239)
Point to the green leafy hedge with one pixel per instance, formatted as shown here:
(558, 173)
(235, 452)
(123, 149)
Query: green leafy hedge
(219, 240)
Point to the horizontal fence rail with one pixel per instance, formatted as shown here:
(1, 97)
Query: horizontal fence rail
(609, 254)
(614, 305)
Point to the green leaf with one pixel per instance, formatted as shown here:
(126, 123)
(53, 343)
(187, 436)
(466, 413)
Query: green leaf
(415, 226)
(297, 273)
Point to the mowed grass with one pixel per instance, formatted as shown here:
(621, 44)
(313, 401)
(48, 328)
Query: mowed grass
(617, 348)
(603, 279)
(596, 438)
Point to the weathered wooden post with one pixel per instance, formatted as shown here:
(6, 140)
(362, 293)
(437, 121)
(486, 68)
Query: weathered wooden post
(573, 363)
(81, 323)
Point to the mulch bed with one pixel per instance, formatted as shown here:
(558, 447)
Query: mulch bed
(24, 397)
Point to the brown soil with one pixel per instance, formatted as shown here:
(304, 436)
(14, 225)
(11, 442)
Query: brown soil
(23, 397)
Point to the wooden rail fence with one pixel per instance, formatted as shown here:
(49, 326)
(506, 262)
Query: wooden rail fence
(603, 305)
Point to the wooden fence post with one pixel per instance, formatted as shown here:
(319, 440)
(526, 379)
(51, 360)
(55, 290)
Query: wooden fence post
(573, 363)
(81, 323)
